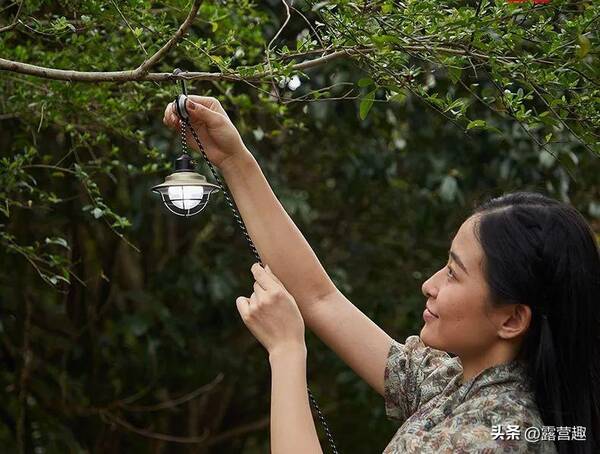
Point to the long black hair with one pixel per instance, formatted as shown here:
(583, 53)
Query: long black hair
(542, 253)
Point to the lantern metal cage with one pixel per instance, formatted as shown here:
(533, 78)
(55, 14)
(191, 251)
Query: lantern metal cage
(185, 192)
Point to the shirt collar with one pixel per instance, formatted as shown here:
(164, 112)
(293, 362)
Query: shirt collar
(513, 373)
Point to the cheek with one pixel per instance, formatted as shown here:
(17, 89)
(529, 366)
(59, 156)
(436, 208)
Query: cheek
(454, 303)
(461, 325)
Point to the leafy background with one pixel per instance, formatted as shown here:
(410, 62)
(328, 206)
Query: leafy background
(118, 327)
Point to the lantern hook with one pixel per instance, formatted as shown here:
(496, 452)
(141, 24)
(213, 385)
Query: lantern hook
(180, 99)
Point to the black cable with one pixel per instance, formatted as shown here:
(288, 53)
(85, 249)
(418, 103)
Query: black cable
(186, 123)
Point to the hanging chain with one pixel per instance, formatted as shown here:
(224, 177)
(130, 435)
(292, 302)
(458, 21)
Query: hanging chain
(185, 123)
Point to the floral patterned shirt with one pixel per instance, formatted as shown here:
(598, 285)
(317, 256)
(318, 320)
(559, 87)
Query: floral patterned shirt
(489, 413)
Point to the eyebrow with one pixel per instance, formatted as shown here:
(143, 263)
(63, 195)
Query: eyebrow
(457, 259)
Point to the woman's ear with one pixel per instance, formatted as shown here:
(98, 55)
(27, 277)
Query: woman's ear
(515, 321)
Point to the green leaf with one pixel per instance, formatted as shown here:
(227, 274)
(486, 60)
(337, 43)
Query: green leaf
(454, 73)
(398, 97)
(365, 82)
(366, 104)
(59, 241)
(54, 279)
(476, 124)
(584, 46)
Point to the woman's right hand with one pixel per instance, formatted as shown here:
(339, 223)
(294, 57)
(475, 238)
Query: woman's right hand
(219, 137)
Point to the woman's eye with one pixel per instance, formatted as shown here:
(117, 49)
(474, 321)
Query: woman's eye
(450, 273)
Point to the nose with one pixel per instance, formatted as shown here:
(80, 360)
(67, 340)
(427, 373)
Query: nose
(429, 287)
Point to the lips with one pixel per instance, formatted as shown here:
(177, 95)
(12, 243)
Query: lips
(431, 312)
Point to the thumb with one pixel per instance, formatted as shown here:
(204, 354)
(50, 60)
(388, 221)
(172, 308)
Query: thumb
(242, 306)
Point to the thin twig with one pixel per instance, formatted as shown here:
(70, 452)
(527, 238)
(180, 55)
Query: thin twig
(154, 435)
(129, 26)
(14, 21)
(268, 50)
(175, 402)
(24, 377)
(309, 24)
(48, 166)
(145, 66)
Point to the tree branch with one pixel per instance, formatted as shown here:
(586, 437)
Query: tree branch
(174, 402)
(142, 74)
(155, 435)
(138, 74)
(146, 65)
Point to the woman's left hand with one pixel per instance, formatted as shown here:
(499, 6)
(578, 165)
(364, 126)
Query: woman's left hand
(271, 313)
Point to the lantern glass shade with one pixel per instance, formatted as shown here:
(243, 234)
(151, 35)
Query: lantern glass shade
(185, 193)
(185, 197)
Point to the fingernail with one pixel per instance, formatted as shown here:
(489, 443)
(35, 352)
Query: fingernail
(191, 105)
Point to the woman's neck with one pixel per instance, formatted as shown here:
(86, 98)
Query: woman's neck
(474, 365)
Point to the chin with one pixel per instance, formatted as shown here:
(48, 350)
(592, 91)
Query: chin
(430, 339)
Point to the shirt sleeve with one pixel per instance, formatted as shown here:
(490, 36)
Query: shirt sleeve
(414, 373)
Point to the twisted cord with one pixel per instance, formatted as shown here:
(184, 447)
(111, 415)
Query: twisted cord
(184, 124)
(184, 145)
(225, 191)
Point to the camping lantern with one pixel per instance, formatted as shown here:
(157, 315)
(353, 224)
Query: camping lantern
(185, 192)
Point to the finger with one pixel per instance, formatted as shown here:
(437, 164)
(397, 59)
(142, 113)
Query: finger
(243, 306)
(208, 101)
(258, 289)
(167, 115)
(169, 110)
(262, 277)
(174, 120)
(170, 118)
(199, 113)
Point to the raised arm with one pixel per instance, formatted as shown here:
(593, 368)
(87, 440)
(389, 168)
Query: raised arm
(281, 245)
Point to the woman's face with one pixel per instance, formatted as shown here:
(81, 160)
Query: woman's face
(457, 314)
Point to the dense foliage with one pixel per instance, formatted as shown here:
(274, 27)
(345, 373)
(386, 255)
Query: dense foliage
(118, 327)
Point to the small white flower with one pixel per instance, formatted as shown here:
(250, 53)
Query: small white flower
(283, 81)
(400, 143)
(294, 83)
(430, 80)
(258, 134)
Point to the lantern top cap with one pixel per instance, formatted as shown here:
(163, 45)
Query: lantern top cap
(184, 162)
(185, 178)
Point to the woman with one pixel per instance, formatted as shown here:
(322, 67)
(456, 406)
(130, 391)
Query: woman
(516, 305)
